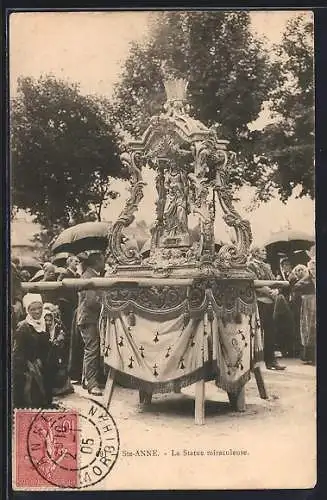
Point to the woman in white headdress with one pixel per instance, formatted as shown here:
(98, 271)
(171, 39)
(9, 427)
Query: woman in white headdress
(31, 374)
(308, 316)
(302, 303)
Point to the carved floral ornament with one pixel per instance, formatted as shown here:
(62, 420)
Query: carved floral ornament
(192, 168)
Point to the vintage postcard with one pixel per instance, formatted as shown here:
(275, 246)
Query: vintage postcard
(163, 292)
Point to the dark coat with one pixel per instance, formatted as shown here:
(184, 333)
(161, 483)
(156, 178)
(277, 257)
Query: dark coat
(89, 302)
(68, 300)
(16, 287)
(17, 312)
(51, 296)
(31, 371)
(69, 294)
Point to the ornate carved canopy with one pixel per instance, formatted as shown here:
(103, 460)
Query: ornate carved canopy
(192, 166)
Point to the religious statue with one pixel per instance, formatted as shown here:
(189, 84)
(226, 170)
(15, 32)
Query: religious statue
(175, 218)
(192, 173)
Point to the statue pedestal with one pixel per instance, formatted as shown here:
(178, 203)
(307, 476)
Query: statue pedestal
(159, 339)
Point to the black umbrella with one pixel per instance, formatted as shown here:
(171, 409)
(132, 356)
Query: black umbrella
(289, 244)
(290, 241)
(82, 237)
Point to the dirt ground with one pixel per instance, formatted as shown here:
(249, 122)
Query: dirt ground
(277, 436)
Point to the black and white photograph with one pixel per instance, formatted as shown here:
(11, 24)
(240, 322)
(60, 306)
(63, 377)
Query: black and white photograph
(162, 250)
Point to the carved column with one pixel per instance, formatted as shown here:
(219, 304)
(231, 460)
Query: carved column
(133, 162)
(231, 255)
(202, 206)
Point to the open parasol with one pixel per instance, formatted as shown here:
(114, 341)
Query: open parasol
(290, 241)
(82, 237)
(290, 244)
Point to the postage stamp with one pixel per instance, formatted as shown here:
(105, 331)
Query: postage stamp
(68, 448)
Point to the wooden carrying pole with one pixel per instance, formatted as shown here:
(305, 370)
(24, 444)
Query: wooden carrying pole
(271, 283)
(84, 284)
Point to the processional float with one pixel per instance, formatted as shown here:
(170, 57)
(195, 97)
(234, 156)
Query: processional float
(187, 312)
(167, 335)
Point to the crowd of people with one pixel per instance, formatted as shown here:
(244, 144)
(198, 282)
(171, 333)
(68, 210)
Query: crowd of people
(56, 341)
(287, 314)
(55, 335)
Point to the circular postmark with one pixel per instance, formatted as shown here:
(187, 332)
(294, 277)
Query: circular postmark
(73, 448)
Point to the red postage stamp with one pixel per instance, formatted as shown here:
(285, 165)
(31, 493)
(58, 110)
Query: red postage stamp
(46, 449)
(63, 449)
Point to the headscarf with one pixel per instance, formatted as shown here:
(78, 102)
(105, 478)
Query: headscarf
(54, 309)
(28, 300)
(312, 252)
(293, 278)
(312, 268)
(50, 310)
(300, 267)
(50, 307)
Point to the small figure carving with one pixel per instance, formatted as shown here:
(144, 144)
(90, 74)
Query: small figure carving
(175, 222)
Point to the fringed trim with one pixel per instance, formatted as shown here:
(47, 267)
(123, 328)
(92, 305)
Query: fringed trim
(232, 386)
(131, 382)
(143, 312)
(240, 307)
(131, 304)
(156, 315)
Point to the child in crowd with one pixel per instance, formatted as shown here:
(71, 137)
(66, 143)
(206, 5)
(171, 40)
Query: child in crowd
(58, 355)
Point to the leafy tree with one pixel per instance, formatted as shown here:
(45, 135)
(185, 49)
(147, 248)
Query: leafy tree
(43, 241)
(64, 152)
(227, 68)
(289, 142)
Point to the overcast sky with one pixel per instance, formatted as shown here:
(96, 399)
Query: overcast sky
(90, 48)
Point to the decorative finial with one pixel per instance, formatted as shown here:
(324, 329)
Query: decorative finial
(175, 87)
(176, 90)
